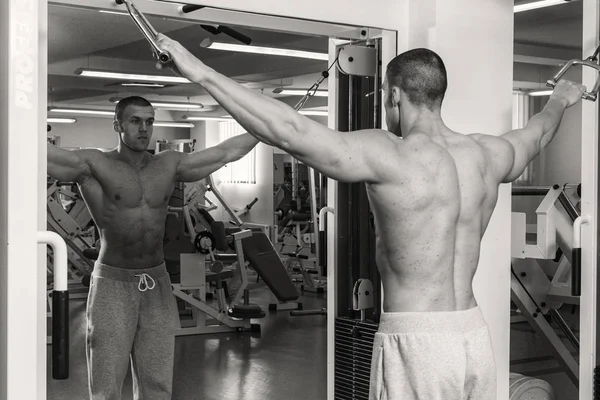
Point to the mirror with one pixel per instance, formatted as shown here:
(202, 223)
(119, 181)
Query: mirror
(544, 344)
(217, 233)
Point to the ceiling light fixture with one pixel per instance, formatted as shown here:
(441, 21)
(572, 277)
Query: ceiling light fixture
(173, 124)
(140, 84)
(300, 92)
(94, 73)
(61, 120)
(314, 112)
(210, 44)
(81, 111)
(540, 93)
(167, 104)
(538, 4)
(188, 118)
(113, 12)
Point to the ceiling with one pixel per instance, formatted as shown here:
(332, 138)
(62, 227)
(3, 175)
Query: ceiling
(544, 39)
(557, 28)
(87, 38)
(84, 37)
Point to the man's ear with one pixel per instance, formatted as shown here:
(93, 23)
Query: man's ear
(395, 96)
(117, 126)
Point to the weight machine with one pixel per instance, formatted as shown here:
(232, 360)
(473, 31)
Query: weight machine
(539, 298)
(199, 265)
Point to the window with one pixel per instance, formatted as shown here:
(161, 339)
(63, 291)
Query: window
(243, 170)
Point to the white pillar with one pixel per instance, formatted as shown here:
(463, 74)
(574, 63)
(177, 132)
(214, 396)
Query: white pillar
(589, 206)
(22, 323)
(475, 40)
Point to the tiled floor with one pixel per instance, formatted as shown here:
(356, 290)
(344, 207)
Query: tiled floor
(287, 362)
(531, 355)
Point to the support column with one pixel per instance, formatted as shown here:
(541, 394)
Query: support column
(589, 206)
(22, 332)
(475, 40)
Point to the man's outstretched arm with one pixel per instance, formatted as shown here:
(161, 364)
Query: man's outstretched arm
(513, 151)
(67, 165)
(199, 164)
(349, 156)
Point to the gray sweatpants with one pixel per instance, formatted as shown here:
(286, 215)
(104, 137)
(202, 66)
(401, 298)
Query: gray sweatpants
(131, 316)
(433, 356)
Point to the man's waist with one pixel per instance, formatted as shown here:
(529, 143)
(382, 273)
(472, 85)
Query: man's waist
(128, 274)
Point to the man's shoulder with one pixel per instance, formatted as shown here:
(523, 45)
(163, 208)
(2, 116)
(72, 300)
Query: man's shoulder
(168, 156)
(492, 143)
(92, 154)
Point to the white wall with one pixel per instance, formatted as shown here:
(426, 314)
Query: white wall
(485, 28)
(4, 125)
(99, 132)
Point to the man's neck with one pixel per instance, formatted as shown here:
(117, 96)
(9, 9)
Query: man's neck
(423, 120)
(131, 157)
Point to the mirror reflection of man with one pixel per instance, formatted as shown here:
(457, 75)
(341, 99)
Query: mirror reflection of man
(131, 312)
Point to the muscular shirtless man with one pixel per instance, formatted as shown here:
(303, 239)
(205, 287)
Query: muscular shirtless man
(131, 311)
(432, 191)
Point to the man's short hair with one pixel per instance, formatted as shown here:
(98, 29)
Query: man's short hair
(129, 101)
(421, 74)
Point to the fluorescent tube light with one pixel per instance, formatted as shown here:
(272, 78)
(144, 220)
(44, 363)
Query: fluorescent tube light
(113, 12)
(188, 118)
(81, 111)
(314, 112)
(92, 73)
(62, 120)
(167, 104)
(140, 84)
(242, 48)
(538, 4)
(174, 124)
(301, 92)
(540, 93)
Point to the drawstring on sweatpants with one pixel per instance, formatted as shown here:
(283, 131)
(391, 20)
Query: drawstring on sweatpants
(143, 284)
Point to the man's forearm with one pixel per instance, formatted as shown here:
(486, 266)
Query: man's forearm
(238, 146)
(549, 119)
(269, 120)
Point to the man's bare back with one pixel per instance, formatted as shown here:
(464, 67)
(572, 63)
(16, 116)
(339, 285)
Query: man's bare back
(129, 205)
(431, 219)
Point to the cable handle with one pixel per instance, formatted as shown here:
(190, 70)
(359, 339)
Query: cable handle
(590, 95)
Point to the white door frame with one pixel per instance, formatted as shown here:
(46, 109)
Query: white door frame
(589, 206)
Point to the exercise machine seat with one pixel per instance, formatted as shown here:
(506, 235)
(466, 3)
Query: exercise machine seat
(263, 258)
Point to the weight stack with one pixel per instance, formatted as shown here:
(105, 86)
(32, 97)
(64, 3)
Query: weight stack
(353, 351)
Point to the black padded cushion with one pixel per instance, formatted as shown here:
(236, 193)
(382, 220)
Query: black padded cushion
(90, 254)
(300, 217)
(218, 230)
(263, 258)
(209, 218)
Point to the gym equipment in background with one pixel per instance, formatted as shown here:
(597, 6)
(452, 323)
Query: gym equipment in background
(537, 297)
(592, 62)
(59, 305)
